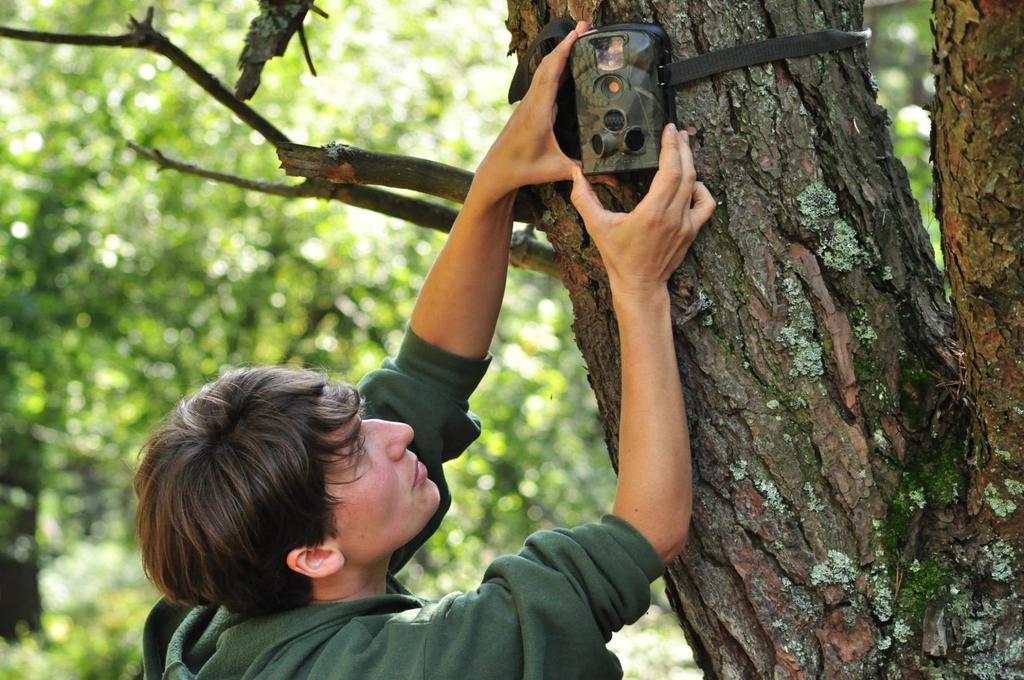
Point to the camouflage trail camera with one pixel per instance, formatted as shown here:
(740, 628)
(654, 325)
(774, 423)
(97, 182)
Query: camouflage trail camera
(620, 96)
(621, 107)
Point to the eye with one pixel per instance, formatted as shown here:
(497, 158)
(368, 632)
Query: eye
(349, 462)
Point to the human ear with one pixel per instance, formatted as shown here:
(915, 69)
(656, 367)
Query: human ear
(315, 561)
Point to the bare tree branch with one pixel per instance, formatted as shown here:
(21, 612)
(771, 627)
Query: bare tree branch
(305, 50)
(364, 167)
(527, 251)
(65, 38)
(144, 36)
(345, 164)
(276, 188)
(268, 37)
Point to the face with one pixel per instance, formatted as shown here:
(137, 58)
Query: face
(386, 497)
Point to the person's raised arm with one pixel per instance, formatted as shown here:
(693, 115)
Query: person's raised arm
(458, 306)
(640, 250)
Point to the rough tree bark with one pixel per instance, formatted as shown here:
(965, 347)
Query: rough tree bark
(20, 603)
(847, 523)
(978, 154)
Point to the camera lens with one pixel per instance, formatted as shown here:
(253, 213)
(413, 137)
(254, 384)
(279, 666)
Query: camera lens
(604, 144)
(634, 140)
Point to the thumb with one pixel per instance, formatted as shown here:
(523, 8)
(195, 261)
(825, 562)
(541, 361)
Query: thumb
(584, 198)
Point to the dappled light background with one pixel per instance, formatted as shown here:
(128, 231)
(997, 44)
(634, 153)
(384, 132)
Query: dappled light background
(123, 288)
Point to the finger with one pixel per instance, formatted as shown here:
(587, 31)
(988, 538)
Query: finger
(583, 197)
(549, 72)
(688, 175)
(703, 204)
(666, 181)
(582, 27)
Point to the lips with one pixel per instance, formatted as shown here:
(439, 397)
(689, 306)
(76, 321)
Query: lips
(421, 474)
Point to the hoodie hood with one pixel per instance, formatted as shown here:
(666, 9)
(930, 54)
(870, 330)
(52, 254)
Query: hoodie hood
(211, 642)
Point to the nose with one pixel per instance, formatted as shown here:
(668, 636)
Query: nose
(399, 438)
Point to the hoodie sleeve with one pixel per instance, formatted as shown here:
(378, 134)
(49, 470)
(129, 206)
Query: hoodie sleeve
(546, 612)
(427, 388)
(554, 605)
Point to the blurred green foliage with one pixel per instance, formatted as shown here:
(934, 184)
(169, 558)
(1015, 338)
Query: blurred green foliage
(900, 52)
(123, 288)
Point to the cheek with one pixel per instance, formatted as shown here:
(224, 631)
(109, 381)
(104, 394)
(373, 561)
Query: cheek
(384, 501)
(361, 504)
(379, 505)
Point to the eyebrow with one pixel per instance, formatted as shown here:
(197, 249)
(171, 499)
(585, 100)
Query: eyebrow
(358, 447)
(353, 438)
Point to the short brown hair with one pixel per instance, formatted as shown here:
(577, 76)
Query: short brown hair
(234, 478)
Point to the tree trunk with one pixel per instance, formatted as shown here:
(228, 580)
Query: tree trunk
(833, 534)
(978, 153)
(19, 567)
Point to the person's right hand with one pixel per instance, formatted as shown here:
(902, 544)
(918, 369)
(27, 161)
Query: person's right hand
(642, 248)
(526, 151)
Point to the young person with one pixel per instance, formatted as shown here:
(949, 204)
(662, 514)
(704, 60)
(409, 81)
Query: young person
(275, 506)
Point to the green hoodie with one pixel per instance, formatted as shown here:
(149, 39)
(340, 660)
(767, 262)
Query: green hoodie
(546, 612)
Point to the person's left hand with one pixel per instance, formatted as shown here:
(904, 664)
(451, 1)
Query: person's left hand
(526, 151)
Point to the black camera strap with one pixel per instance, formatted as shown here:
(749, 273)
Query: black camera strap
(788, 47)
(710, 63)
(553, 31)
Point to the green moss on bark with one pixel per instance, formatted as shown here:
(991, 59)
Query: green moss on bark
(922, 583)
(915, 387)
(936, 478)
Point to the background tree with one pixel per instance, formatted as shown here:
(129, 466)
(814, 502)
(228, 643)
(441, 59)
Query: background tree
(786, 577)
(977, 146)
